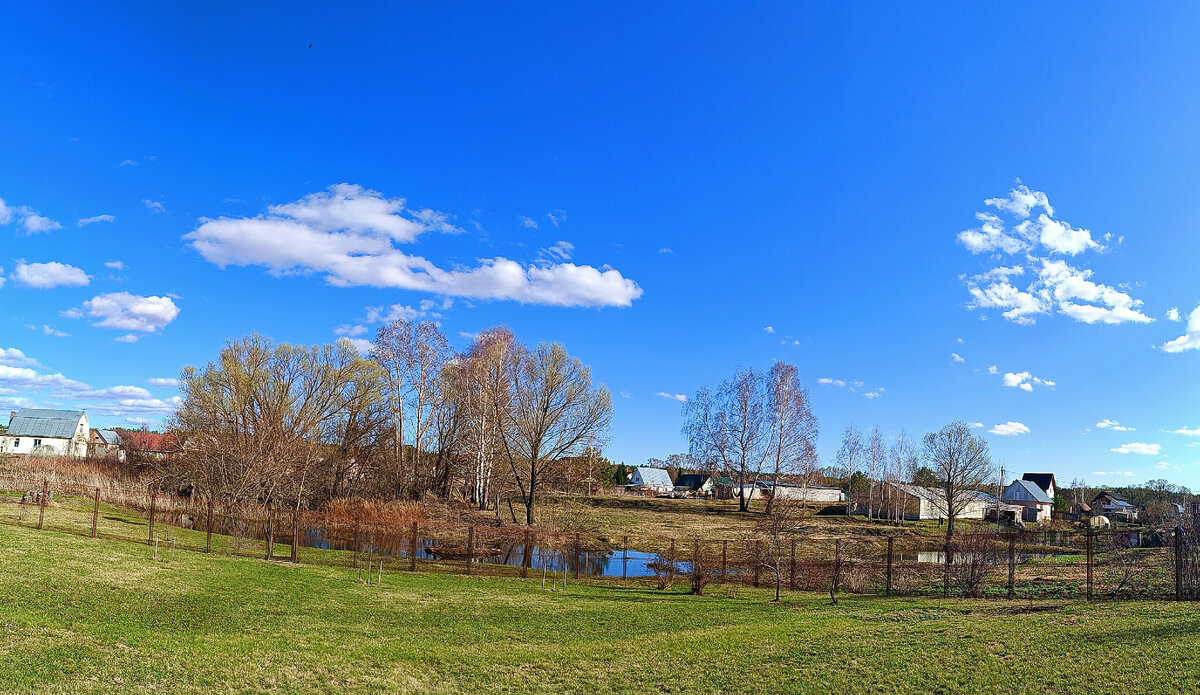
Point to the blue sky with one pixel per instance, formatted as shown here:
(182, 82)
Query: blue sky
(661, 183)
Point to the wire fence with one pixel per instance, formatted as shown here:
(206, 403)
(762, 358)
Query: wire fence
(1093, 565)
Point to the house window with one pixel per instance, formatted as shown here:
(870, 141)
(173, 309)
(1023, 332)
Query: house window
(37, 443)
(17, 443)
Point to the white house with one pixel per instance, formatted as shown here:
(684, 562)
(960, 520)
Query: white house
(918, 502)
(656, 480)
(1045, 481)
(1037, 504)
(815, 494)
(35, 430)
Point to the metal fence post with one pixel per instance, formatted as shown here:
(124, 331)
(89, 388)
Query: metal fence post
(1179, 563)
(792, 568)
(888, 590)
(96, 512)
(42, 502)
(470, 546)
(296, 535)
(208, 534)
(412, 549)
(724, 561)
(150, 530)
(1012, 564)
(357, 541)
(1089, 564)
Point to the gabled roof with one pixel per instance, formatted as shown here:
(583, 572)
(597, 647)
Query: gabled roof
(655, 477)
(110, 437)
(1032, 489)
(1042, 480)
(38, 422)
(692, 481)
(1111, 495)
(936, 495)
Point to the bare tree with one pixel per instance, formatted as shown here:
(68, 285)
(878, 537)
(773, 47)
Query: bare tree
(485, 388)
(903, 463)
(555, 412)
(876, 459)
(849, 459)
(731, 428)
(962, 464)
(777, 526)
(793, 426)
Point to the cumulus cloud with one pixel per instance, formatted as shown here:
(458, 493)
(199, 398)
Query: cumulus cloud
(162, 381)
(768, 329)
(1188, 432)
(349, 330)
(956, 357)
(16, 358)
(673, 396)
(1025, 381)
(115, 265)
(1113, 425)
(1009, 429)
(1189, 340)
(49, 330)
(1055, 285)
(831, 382)
(1173, 314)
(349, 235)
(44, 276)
(361, 344)
(1112, 473)
(84, 221)
(974, 425)
(130, 312)
(1139, 448)
(127, 338)
(993, 369)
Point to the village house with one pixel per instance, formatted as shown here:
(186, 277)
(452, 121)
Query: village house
(919, 503)
(1113, 506)
(1036, 505)
(106, 444)
(647, 479)
(1045, 481)
(42, 431)
(694, 483)
(812, 494)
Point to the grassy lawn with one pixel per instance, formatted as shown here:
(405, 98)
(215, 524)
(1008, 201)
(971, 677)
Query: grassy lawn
(83, 615)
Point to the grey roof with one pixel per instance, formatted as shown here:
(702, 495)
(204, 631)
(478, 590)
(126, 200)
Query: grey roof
(1035, 491)
(110, 437)
(655, 477)
(37, 422)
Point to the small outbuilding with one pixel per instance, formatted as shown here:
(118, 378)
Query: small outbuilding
(814, 494)
(656, 480)
(694, 483)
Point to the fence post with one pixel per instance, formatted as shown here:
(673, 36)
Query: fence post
(412, 549)
(624, 560)
(357, 541)
(724, 561)
(150, 531)
(792, 568)
(946, 568)
(526, 553)
(96, 512)
(697, 570)
(837, 570)
(470, 546)
(42, 502)
(757, 554)
(1179, 560)
(296, 535)
(1012, 564)
(888, 589)
(575, 574)
(1089, 565)
(208, 538)
(270, 531)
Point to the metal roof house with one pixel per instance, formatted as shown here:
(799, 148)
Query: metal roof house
(42, 431)
(653, 479)
(1028, 494)
(107, 444)
(917, 502)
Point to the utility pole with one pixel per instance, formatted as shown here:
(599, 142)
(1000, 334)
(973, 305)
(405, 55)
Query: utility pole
(999, 487)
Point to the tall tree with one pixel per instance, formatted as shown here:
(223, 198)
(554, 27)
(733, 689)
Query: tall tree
(903, 464)
(555, 412)
(730, 427)
(849, 459)
(962, 464)
(793, 426)
(876, 459)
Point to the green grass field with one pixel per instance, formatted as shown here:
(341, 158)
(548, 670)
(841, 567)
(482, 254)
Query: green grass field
(79, 615)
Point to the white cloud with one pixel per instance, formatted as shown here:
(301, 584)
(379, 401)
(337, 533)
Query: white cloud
(15, 358)
(528, 222)
(162, 381)
(131, 312)
(72, 313)
(128, 163)
(349, 233)
(1112, 473)
(626, 394)
(993, 369)
(115, 265)
(956, 357)
(560, 251)
(1173, 314)
(769, 329)
(872, 395)
(127, 338)
(1139, 448)
(84, 221)
(1188, 432)
(47, 330)
(349, 331)
(1189, 340)
(361, 344)
(974, 425)
(557, 217)
(44, 276)
(392, 313)
(667, 251)
(1024, 380)
(1057, 286)
(153, 205)
(1009, 429)
(1107, 424)
(35, 223)
(673, 396)
(831, 382)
